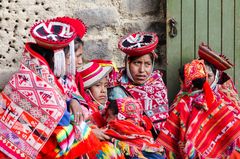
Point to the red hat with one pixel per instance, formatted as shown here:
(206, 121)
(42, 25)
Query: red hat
(138, 44)
(218, 60)
(92, 73)
(193, 70)
(129, 108)
(53, 34)
(77, 24)
(56, 34)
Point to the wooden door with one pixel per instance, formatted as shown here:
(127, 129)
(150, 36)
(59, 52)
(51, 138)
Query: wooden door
(215, 22)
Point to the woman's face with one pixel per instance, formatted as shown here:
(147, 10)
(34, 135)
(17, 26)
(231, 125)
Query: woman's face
(78, 57)
(141, 68)
(211, 76)
(99, 91)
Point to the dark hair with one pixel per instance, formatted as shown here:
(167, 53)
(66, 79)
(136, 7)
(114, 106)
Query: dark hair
(181, 72)
(211, 66)
(47, 54)
(77, 43)
(113, 106)
(198, 83)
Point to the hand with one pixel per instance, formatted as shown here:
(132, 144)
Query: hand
(100, 134)
(77, 111)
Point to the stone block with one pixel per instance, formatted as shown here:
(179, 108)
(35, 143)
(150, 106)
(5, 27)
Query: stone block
(97, 49)
(159, 28)
(138, 7)
(99, 17)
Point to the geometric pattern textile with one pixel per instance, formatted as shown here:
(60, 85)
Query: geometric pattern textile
(152, 95)
(31, 106)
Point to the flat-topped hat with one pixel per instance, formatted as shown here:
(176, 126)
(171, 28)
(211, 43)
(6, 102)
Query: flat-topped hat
(218, 60)
(56, 34)
(139, 43)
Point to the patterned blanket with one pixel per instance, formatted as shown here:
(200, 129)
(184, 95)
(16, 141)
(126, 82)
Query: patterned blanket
(31, 105)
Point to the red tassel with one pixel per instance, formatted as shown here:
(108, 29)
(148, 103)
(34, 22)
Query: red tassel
(79, 82)
(208, 94)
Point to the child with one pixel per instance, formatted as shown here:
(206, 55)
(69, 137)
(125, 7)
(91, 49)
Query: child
(127, 128)
(95, 84)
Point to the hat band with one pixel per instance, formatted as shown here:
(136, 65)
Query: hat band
(92, 75)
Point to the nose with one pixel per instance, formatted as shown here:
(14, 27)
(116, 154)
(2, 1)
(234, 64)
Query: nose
(141, 68)
(103, 89)
(79, 61)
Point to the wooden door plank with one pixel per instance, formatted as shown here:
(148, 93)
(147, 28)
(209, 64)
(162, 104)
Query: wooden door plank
(188, 34)
(173, 49)
(228, 31)
(201, 8)
(237, 44)
(214, 22)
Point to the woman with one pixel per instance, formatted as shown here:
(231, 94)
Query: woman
(200, 125)
(139, 78)
(221, 83)
(45, 107)
(132, 136)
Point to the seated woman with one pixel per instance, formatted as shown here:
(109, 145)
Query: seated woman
(140, 80)
(34, 101)
(221, 83)
(200, 125)
(95, 83)
(126, 127)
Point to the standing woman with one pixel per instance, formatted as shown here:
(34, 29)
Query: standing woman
(139, 78)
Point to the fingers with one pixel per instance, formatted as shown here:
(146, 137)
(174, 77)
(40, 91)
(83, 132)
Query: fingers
(78, 117)
(106, 137)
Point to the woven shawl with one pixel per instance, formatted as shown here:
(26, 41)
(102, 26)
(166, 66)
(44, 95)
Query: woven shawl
(153, 96)
(190, 130)
(32, 104)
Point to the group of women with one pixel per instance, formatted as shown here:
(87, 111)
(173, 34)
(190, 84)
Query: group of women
(57, 107)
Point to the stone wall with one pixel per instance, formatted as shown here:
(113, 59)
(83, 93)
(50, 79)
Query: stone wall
(107, 21)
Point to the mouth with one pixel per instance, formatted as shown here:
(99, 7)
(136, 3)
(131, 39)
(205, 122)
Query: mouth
(103, 97)
(141, 77)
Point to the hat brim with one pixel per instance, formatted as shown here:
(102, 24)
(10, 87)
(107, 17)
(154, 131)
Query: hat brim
(105, 71)
(219, 62)
(53, 34)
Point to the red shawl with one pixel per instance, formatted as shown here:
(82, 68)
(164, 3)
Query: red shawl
(193, 128)
(133, 134)
(153, 96)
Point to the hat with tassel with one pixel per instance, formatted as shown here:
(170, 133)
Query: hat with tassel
(56, 34)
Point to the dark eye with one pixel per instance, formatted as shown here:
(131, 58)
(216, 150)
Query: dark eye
(97, 85)
(148, 64)
(137, 63)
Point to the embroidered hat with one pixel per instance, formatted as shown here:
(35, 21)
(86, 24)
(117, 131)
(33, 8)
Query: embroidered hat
(76, 23)
(129, 108)
(193, 70)
(92, 73)
(53, 34)
(218, 60)
(138, 44)
(56, 34)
